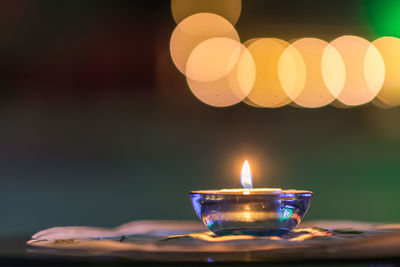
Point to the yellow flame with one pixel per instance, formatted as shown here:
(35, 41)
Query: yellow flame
(246, 179)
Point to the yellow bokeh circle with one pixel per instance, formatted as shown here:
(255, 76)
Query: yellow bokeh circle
(232, 87)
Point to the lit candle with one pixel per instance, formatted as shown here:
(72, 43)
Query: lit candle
(247, 181)
(248, 211)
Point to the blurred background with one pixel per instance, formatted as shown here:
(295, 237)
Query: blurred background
(99, 128)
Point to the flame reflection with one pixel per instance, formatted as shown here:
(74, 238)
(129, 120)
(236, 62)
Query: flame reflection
(297, 235)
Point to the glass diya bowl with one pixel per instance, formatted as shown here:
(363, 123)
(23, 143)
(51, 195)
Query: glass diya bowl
(257, 212)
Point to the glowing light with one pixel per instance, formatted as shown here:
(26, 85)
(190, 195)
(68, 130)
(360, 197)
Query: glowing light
(333, 72)
(231, 88)
(384, 16)
(251, 103)
(229, 9)
(389, 47)
(250, 41)
(246, 178)
(292, 72)
(270, 72)
(195, 29)
(374, 69)
(267, 90)
(315, 92)
(364, 67)
(213, 59)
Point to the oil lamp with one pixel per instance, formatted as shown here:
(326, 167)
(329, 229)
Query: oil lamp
(247, 211)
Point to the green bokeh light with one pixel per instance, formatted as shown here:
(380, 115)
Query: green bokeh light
(384, 17)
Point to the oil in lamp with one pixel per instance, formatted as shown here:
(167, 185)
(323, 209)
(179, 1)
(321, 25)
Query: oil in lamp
(248, 211)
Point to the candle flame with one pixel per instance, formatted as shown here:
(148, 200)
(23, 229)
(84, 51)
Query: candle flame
(246, 179)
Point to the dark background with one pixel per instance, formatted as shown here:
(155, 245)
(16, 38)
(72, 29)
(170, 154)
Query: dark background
(97, 127)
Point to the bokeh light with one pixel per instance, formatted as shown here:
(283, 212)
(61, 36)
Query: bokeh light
(229, 9)
(251, 103)
(233, 87)
(213, 59)
(194, 30)
(315, 92)
(267, 90)
(389, 48)
(384, 17)
(374, 69)
(364, 67)
(270, 72)
(292, 72)
(333, 72)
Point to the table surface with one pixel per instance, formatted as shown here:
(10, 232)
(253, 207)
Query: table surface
(14, 251)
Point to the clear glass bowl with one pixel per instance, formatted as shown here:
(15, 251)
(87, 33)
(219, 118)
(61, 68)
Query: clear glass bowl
(258, 213)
